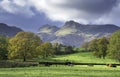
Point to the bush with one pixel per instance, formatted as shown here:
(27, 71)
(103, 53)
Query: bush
(5, 64)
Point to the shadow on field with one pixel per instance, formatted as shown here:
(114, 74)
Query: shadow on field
(6, 64)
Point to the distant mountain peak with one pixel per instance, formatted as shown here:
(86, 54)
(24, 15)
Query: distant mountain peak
(71, 23)
(2, 24)
(8, 30)
(48, 26)
(48, 29)
(75, 34)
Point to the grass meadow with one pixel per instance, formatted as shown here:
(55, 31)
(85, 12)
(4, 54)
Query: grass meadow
(61, 71)
(83, 57)
(66, 71)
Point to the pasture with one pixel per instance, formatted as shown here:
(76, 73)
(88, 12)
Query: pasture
(64, 70)
(61, 71)
(83, 57)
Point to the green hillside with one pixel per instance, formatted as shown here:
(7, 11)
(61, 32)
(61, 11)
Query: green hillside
(66, 71)
(86, 57)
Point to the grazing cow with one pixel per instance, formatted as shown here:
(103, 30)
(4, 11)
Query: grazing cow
(111, 65)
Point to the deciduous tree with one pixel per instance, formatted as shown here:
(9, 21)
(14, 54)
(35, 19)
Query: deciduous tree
(45, 50)
(3, 47)
(23, 45)
(114, 46)
(102, 47)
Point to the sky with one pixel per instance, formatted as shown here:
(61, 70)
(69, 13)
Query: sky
(30, 15)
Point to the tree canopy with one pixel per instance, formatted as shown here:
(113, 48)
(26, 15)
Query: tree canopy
(114, 46)
(99, 47)
(23, 45)
(102, 47)
(45, 50)
(3, 47)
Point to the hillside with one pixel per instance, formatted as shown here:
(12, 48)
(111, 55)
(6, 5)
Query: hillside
(75, 34)
(8, 30)
(83, 57)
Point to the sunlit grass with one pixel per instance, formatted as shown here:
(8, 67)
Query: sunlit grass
(66, 71)
(61, 71)
(86, 57)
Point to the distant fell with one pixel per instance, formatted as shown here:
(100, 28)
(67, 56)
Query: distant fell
(7, 30)
(75, 34)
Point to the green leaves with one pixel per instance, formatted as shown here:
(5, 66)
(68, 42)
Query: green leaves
(23, 45)
(104, 46)
(45, 50)
(114, 46)
(3, 47)
(99, 46)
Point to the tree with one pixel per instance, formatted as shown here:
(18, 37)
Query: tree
(93, 45)
(69, 49)
(86, 46)
(102, 47)
(57, 48)
(23, 45)
(3, 47)
(45, 50)
(99, 47)
(114, 46)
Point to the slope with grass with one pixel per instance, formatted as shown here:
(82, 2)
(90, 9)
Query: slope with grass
(66, 71)
(83, 57)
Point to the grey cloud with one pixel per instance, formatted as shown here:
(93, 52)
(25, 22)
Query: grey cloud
(83, 11)
(91, 6)
(21, 7)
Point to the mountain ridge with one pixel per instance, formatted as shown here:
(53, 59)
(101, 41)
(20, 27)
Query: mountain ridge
(7, 30)
(75, 34)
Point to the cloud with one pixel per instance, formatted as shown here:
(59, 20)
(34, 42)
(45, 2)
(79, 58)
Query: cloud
(84, 11)
(80, 10)
(16, 7)
(112, 18)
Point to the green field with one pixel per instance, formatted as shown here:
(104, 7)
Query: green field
(66, 71)
(84, 57)
(61, 71)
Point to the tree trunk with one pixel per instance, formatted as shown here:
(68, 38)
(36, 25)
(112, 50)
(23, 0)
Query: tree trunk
(103, 57)
(24, 58)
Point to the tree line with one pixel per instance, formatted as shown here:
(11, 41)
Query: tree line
(27, 45)
(105, 47)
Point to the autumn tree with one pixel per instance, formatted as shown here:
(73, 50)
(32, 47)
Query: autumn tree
(23, 45)
(3, 47)
(45, 50)
(114, 46)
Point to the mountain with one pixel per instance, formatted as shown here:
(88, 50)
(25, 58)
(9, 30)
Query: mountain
(8, 30)
(47, 32)
(75, 34)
